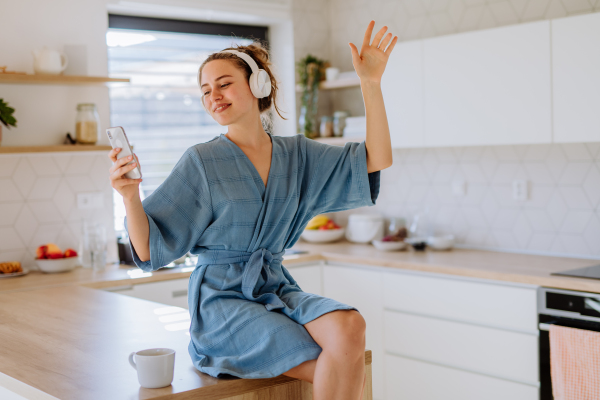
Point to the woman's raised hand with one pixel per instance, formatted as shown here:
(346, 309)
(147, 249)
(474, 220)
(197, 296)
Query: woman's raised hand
(128, 188)
(373, 57)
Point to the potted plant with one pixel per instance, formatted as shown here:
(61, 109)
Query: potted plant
(6, 116)
(311, 71)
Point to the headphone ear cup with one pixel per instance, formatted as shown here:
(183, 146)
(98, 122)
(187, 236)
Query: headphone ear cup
(260, 84)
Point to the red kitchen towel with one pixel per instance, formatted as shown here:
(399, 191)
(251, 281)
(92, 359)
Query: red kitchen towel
(574, 363)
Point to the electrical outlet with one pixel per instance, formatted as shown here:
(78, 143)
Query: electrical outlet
(91, 200)
(459, 188)
(520, 190)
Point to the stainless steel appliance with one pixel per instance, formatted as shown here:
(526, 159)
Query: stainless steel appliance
(573, 309)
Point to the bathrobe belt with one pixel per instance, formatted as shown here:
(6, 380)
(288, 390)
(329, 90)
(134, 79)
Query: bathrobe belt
(256, 261)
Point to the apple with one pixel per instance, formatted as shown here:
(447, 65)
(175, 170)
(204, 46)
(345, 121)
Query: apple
(70, 253)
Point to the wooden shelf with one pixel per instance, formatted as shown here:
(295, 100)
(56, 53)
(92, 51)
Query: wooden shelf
(57, 79)
(48, 149)
(339, 141)
(335, 84)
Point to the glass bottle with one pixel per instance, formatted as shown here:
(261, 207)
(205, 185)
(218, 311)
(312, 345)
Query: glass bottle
(339, 122)
(87, 124)
(326, 126)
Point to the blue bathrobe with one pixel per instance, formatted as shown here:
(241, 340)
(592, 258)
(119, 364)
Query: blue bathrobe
(247, 311)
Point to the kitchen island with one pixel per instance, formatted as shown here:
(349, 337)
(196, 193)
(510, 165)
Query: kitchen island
(66, 338)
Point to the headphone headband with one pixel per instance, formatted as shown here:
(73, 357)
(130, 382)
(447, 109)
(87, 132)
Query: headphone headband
(249, 60)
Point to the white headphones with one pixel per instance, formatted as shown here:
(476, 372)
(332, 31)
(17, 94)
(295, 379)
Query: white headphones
(260, 82)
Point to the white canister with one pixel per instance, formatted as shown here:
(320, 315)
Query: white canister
(363, 228)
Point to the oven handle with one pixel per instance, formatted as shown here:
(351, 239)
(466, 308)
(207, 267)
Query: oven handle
(593, 304)
(544, 327)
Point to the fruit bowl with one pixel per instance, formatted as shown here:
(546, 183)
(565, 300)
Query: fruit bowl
(389, 246)
(57, 264)
(322, 235)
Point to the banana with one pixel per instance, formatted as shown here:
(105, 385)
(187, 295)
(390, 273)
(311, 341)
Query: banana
(317, 221)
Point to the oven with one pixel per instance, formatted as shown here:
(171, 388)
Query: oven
(572, 309)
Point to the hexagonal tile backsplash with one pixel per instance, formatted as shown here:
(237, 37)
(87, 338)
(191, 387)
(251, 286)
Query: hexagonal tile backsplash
(38, 202)
(560, 217)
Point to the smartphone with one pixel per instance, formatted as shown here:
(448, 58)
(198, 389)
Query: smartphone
(117, 138)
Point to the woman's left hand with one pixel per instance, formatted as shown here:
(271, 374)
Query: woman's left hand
(371, 61)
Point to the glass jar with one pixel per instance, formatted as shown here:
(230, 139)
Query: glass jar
(87, 124)
(326, 126)
(339, 122)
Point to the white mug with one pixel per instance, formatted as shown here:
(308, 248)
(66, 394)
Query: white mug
(331, 73)
(154, 367)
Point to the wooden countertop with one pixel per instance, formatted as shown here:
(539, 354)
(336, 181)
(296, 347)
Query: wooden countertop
(73, 343)
(508, 267)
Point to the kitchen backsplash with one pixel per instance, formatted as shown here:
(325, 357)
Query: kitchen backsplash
(560, 217)
(38, 202)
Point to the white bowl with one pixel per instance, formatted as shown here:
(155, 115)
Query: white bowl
(322, 235)
(388, 246)
(440, 242)
(57, 264)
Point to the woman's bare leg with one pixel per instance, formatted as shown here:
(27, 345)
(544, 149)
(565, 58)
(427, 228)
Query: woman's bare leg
(339, 372)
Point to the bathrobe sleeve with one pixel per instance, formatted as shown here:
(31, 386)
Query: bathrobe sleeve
(337, 176)
(178, 212)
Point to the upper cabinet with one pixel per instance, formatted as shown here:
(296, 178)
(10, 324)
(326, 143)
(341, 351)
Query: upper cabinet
(402, 88)
(576, 78)
(488, 87)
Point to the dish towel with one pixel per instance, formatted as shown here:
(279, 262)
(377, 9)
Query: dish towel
(574, 363)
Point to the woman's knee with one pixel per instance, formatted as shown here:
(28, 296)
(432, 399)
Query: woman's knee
(349, 333)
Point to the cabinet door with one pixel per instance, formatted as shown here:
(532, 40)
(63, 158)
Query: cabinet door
(416, 380)
(361, 288)
(488, 87)
(308, 278)
(172, 292)
(576, 78)
(402, 88)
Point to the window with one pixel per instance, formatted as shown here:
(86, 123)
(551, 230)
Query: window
(160, 110)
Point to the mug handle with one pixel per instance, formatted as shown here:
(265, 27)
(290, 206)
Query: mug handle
(133, 364)
(64, 63)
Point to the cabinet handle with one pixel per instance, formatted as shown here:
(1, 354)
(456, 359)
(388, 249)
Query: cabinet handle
(180, 293)
(117, 288)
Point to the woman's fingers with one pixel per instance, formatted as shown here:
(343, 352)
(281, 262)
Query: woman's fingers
(385, 41)
(367, 38)
(118, 163)
(378, 37)
(391, 46)
(113, 154)
(119, 172)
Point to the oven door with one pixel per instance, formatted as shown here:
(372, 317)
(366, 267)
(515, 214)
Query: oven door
(544, 323)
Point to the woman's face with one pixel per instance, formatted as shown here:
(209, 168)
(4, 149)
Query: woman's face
(226, 92)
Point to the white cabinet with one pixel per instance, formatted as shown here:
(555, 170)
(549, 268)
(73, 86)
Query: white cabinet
(402, 88)
(418, 380)
(171, 292)
(488, 87)
(576, 78)
(308, 277)
(361, 288)
(469, 338)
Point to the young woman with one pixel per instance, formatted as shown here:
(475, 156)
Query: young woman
(238, 201)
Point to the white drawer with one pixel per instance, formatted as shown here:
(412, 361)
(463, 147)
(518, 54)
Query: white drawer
(309, 278)
(496, 305)
(173, 292)
(408, 379)
(503, 354)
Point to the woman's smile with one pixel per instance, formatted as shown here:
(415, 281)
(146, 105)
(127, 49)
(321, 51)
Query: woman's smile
(222, 107)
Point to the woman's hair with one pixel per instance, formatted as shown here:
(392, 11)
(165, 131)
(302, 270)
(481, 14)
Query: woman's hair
(261, 56)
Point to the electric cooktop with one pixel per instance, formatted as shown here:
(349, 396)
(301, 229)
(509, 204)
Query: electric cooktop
(592, 272)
